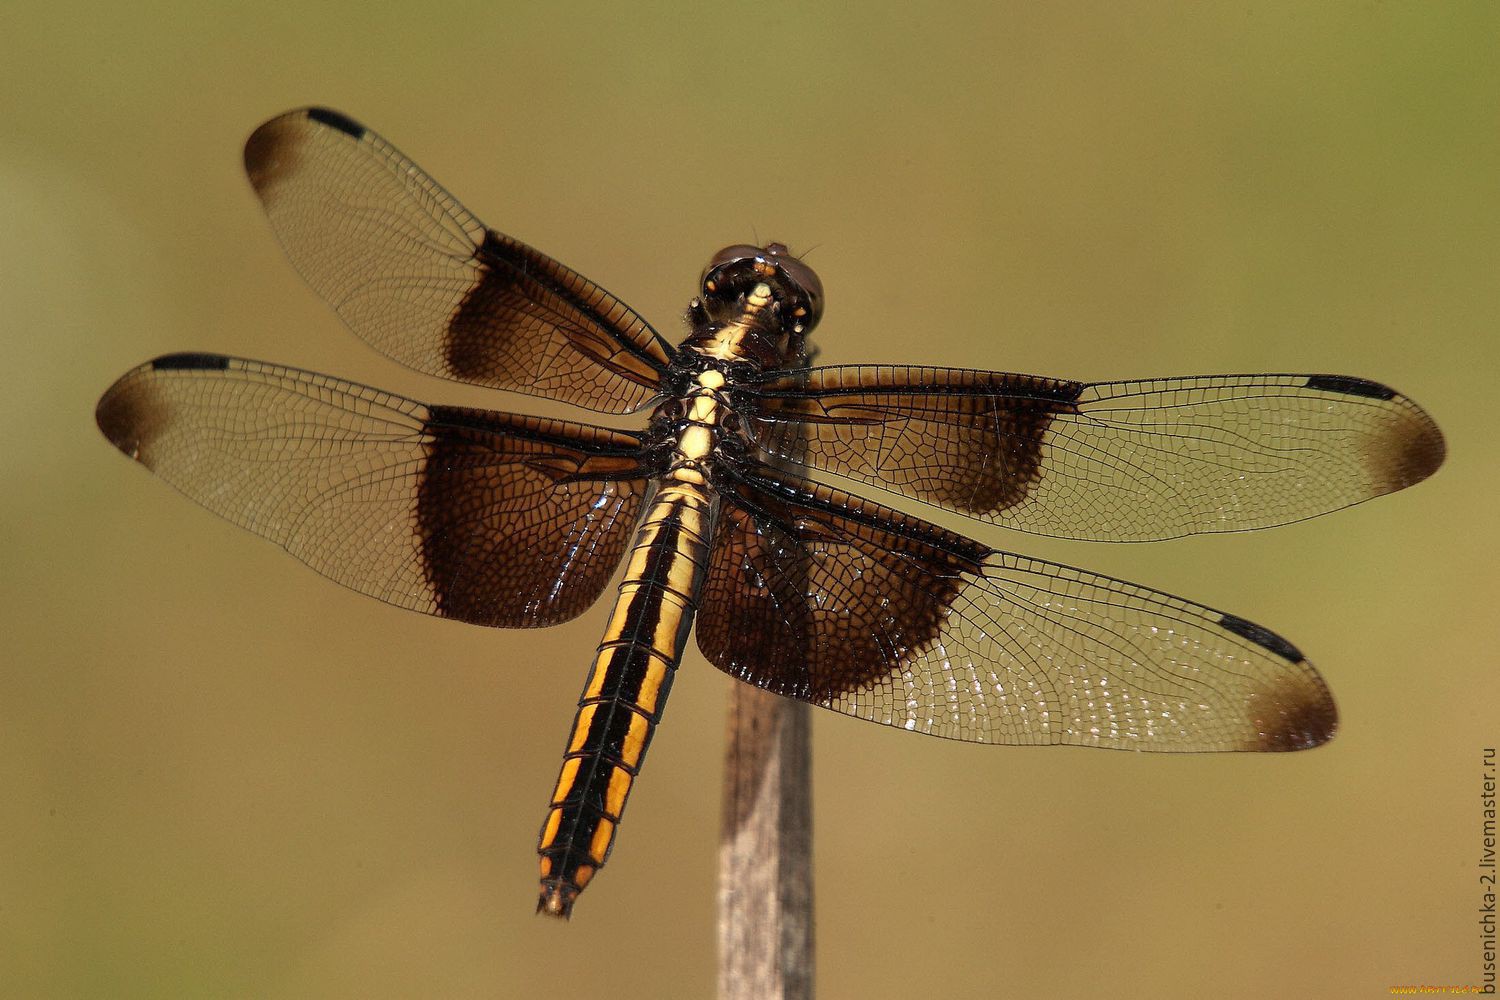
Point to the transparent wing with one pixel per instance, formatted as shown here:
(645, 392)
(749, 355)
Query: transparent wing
(423, 281)
(833, 600)
(1111, 461)
(490, 518)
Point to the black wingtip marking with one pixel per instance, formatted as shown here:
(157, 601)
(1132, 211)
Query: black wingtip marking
(1351, 386)
(1262, 636)
(190, 362)
(338, 120)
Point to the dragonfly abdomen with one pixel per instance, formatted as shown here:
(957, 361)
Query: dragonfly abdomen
(626, 690)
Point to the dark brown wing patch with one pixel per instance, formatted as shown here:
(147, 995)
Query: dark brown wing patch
(1111, 461)
(422, 280)
(523, 297)
(489, 518)
(1291, 713)
(847, 604)
(816, 602)
(969, 441)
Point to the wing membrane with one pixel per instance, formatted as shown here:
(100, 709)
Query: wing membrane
(412, 272)
(490, 518)
(821, 596)
(1111, 461)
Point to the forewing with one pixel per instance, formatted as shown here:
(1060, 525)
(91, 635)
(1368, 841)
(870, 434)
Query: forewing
(412, 272)
(834, 600)
(490, 518)
(1111, 461)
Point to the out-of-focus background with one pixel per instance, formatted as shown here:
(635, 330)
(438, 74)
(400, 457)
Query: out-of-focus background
(221, 775)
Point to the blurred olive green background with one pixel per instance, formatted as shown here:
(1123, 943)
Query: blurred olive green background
(222, 776)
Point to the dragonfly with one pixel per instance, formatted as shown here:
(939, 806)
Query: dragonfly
(729, 509)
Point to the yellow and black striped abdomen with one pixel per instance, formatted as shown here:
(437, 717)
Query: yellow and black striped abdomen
(626, 690)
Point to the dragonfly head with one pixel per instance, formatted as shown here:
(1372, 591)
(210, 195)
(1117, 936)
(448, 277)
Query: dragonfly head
(769, 328)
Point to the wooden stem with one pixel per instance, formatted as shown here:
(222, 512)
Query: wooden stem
(765, 850)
